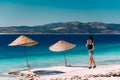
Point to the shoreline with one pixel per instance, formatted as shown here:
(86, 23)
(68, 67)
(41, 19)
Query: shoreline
(102, 72)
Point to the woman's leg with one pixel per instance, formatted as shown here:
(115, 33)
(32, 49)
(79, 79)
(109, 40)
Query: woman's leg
(90, 59)
(93, 62)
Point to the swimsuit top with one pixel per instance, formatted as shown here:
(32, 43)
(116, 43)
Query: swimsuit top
(89, 46)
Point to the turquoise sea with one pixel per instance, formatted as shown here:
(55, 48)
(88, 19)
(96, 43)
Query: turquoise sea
(107, 51)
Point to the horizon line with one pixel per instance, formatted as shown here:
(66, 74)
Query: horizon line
(59, 33)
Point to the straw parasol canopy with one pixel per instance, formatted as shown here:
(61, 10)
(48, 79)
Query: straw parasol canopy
(62, 46)
(24, 41)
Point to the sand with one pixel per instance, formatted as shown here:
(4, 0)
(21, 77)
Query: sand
(105, 72)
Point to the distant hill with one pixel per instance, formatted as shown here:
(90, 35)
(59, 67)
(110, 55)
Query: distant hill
(65, 27)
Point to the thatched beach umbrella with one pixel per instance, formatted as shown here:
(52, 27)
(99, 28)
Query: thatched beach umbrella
(62, 46)
(24, 41)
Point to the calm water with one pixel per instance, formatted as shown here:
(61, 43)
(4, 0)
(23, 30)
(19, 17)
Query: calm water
(107, 51)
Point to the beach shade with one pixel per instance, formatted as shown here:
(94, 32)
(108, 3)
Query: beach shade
(24, 41)
(62, 46)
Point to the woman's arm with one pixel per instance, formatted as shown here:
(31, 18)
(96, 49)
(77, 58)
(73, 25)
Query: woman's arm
(93, 46)
(87, 43)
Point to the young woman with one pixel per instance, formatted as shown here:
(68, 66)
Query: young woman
(90, 46)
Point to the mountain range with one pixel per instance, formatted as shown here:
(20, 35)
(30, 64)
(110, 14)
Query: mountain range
(65, 27)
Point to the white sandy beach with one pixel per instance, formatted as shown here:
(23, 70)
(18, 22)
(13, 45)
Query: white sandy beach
(106, 72)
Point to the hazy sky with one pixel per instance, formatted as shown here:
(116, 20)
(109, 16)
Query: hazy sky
(39, 12)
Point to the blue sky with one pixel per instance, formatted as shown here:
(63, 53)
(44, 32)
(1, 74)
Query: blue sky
(39, 12)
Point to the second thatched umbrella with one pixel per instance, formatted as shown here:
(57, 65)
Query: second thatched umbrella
(62, 46)
(24, 41)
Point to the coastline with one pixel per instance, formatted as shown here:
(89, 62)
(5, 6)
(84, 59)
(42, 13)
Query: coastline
(103, 72)
(40, 58)
(59, 33)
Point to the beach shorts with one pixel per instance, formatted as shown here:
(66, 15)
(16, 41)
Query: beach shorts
(90, 52)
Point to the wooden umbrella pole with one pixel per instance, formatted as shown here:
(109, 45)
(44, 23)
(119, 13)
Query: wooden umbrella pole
(65, 60)
(28, 66)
